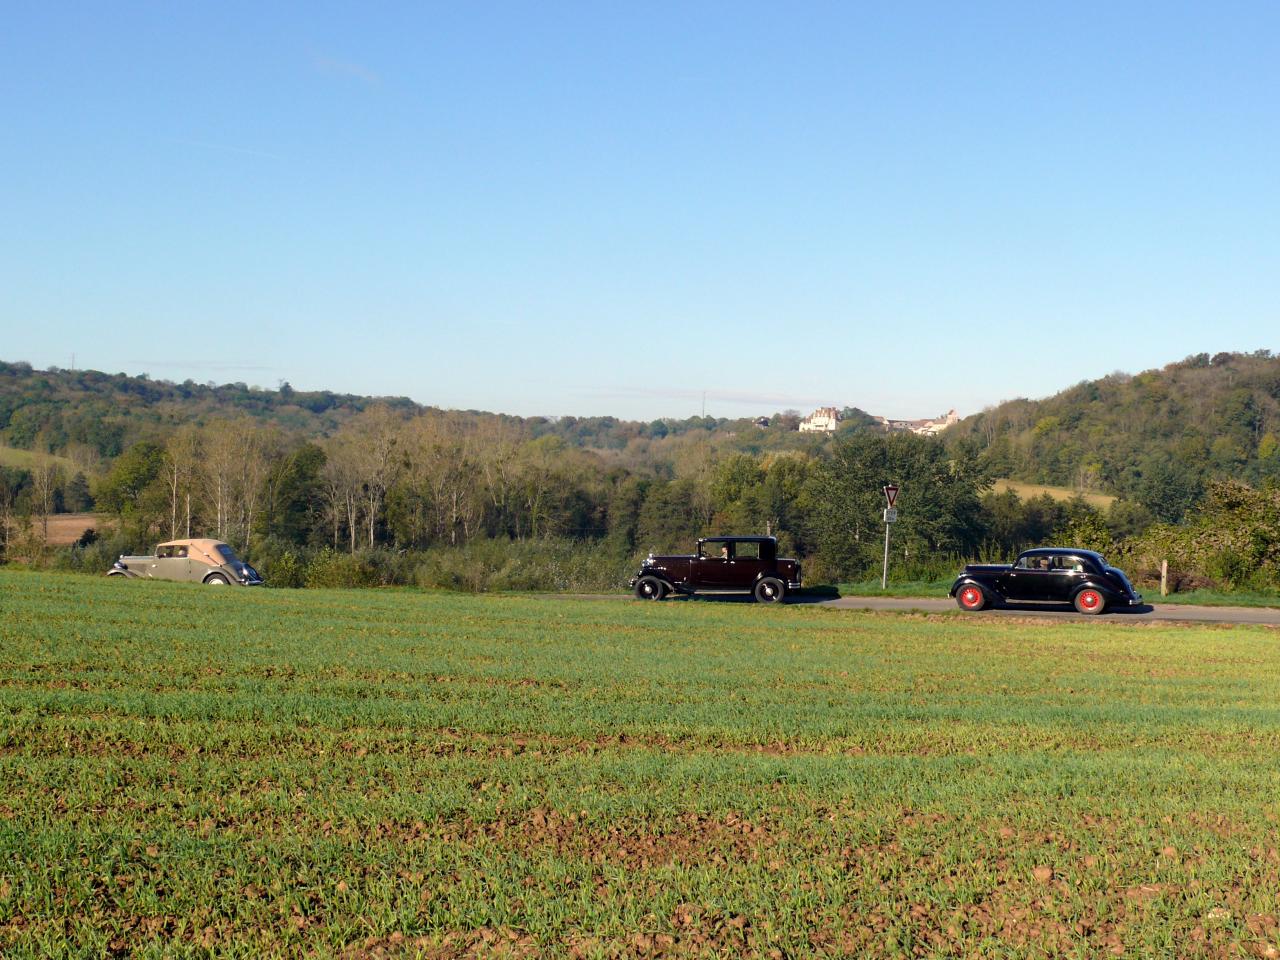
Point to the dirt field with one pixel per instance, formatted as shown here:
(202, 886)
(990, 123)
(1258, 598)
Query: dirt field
(67, 528)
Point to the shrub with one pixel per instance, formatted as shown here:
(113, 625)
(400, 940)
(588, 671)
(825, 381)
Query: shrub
(286, 571)
(97, 556)
(550, 565)
(328, 568)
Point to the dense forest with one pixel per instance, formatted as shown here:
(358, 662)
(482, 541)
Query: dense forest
(318, 487)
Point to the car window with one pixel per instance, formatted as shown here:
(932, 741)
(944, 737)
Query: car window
(1074, 564)
(1029, 563)
(163, 553)
(716, 550)
(746, 551)
(228, 555)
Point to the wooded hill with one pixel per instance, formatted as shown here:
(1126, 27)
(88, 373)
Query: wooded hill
(97, 416)
(1155, 438)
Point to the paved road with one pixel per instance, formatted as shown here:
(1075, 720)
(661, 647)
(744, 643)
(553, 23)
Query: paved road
(1144, 614)
(1148, 613)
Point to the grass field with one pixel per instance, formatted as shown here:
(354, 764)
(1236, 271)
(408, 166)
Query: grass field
(197, 772)
(26, 459)
(1026, 491)
(901, 588)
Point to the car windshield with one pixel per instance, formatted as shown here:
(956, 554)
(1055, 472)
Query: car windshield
(228, 555)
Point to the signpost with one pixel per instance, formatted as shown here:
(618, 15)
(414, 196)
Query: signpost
(890, 516)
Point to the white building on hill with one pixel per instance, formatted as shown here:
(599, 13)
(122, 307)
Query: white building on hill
(822, 420)
(928, 428)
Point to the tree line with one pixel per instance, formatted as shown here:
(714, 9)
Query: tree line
(387, 483)
(397, 482)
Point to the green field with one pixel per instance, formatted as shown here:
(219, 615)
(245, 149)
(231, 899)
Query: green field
(26, 459)
(199, 772)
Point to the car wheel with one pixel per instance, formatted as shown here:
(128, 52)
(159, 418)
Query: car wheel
(216, 580)
(971, 597)
(650, 588)
(770, 590)
(1090, 601)
(115, 573)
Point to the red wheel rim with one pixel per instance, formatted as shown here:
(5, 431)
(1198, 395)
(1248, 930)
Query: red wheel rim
(970, 596)
(1089, 599)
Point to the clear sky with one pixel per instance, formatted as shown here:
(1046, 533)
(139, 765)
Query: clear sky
(603, 207)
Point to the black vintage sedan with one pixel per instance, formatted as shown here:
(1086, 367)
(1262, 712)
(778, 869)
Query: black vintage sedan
(1047, 575)
(721, 565)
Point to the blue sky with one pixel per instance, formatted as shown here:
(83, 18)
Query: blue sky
(611, 208)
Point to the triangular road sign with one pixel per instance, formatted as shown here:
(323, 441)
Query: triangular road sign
(891, 493)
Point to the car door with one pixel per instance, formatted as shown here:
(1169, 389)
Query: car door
(711, 569)
(745, 565)
(1065, 575)
(1027, 579)
(168, 565)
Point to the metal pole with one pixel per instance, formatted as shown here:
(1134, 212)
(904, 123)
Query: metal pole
(884, 574)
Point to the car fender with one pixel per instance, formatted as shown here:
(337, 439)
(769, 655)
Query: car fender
(660, 577)
(1095, 583)
(118, 569)
(987, 587)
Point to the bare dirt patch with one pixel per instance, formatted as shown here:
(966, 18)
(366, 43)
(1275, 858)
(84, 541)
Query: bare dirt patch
(66, 528)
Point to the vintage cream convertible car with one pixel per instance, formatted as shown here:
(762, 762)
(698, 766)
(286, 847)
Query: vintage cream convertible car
(196, 561)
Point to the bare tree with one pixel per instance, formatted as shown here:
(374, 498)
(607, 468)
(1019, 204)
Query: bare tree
(46, 478)
(236, 458)
(342, 487)
(182, 461)
(221, 451)
(8, 499)
(497, 448)
(444, 477)
(375, 434)
(264, 447)
(542, 464)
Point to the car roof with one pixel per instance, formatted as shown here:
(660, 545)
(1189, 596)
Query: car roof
(1060, 551)
(738, 539)
(203, 542)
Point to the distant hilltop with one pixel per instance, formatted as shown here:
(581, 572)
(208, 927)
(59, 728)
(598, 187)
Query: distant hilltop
(827, 420)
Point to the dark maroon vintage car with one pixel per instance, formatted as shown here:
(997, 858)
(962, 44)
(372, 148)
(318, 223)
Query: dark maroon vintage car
(1047, 575)
(721, 565)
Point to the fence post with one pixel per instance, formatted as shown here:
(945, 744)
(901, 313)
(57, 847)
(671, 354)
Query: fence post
(1164, 578)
